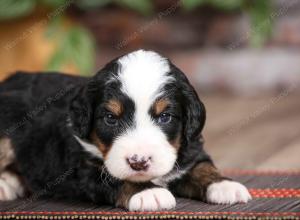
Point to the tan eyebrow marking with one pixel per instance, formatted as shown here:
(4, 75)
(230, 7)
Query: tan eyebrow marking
(115, 107)
(160, 105)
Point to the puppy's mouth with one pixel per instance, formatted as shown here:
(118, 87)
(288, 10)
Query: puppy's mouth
(139, 177)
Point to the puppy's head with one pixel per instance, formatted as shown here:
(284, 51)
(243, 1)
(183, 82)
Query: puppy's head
(138, 111)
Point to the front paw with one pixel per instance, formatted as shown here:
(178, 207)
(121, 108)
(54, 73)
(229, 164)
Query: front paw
(227, 192)
(10, 187)
(154, 199)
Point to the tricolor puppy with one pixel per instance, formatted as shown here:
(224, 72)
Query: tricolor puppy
(130, 136)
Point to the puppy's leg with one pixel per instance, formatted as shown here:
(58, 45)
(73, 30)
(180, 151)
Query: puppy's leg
(145, 197)
(205, 183)
(6, 153)
(11, 186)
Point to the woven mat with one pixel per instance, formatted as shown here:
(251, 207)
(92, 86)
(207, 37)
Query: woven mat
(276, 195)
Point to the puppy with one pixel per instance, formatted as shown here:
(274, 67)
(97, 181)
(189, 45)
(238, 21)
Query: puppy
(130, 136)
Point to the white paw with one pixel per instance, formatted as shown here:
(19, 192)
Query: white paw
(10, 187)
(7, 192)
(152, 200)
(227, 192)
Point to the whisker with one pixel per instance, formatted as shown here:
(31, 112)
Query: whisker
(177, 167)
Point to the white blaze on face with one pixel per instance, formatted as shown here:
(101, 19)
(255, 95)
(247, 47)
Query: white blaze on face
(142, 75)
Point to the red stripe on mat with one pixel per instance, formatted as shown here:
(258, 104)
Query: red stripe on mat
(274, 193)
(233, 172)
(155, 213)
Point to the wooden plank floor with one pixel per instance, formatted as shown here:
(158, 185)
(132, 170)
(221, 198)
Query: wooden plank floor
(253, 133)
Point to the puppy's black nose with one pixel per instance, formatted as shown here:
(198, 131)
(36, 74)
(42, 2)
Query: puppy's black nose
(138, 164)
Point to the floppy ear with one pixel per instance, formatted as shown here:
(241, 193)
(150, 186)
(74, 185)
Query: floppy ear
(195, 114)
(81, 113)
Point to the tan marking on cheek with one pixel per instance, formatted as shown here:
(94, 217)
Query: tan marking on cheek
(115, 107)
(101, 146)
(160, 105)
(7, 155)
(176, 143)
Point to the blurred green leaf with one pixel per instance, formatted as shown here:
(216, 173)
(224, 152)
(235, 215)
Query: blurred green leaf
(75, 46)
(54, 28)
(261, 24)
(10, 9)
(55, 3)
(57, 60)
(227, 4)
(191, 4)
(221, 4)
(80, 49)
(142, 6)
(84, 4)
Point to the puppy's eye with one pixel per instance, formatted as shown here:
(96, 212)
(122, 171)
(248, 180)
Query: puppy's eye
(110, 119)
(164, 118)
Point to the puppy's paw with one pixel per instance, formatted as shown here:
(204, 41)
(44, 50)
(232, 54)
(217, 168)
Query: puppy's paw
(227, 192)
(10, 187)
(154, 199)
(7, 192)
